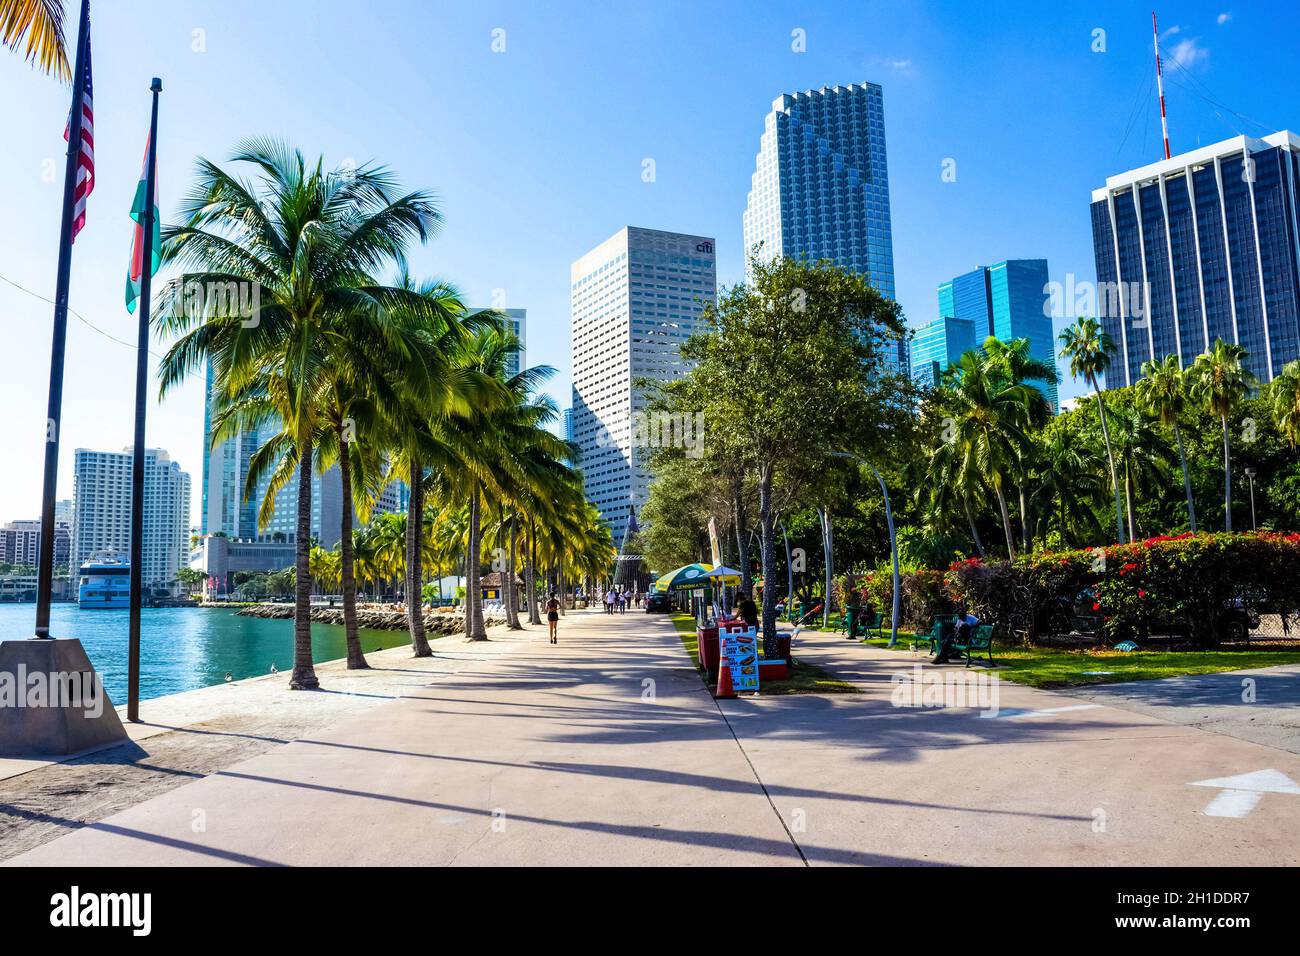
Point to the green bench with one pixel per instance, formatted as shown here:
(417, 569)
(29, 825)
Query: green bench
(980, 642)
(938, 629)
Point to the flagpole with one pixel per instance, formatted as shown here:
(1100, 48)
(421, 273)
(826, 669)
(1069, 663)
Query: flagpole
(54, 413)
(141, 382)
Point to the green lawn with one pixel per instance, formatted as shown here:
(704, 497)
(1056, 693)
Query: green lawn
(804, 678)
(1057, 667)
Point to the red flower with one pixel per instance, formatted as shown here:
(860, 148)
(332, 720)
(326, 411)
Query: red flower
(1141, 593)
(1096, 605)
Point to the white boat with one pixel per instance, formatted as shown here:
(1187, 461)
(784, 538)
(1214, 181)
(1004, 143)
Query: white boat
(105, 583)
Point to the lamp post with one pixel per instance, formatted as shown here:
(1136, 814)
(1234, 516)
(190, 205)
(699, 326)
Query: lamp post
(893, 541)
(1250, 476)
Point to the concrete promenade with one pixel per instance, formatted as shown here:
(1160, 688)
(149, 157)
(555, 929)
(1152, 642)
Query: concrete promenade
(606, 749)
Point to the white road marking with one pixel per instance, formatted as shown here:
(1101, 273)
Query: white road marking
(1239, 795)
(1045, 712)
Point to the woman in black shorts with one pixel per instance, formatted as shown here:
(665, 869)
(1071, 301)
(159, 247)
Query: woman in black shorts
(553, 616)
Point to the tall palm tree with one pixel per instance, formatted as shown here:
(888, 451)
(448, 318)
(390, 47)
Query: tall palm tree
(1162, 393)
(41, 23)
(1284, 395)
(1088, 347)
(1141, 450)
(1071, 484)
(1220, 380)
(990, 416)
(309, 242)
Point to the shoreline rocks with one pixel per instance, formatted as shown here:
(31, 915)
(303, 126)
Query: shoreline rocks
(440, 621)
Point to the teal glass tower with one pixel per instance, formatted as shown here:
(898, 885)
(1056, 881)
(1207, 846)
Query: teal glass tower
(1008, 300)
(937, 345)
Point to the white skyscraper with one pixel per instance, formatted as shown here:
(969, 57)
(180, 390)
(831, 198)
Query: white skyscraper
(102, 511)
(635, 299)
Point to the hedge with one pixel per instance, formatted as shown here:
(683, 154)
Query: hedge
(1182, 584)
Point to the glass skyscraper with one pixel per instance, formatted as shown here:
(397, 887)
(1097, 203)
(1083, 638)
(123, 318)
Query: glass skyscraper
(937, 345)
(1008, 300)
(1200, 247)
(820, 188)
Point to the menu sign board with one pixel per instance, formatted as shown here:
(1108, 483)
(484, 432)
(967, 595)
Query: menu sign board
(741, 650)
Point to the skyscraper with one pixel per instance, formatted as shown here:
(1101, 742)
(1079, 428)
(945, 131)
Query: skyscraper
(517, 322)
(102, 511)
(225, 473)
(937, 345)
(1008, 300)
(820, 188)
(1199, 247)
(635, 298)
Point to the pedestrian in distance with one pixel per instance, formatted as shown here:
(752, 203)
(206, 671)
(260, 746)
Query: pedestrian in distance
(553, 617)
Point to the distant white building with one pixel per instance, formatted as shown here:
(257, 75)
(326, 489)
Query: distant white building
(635, 299)
(516, 321)
(102, 512)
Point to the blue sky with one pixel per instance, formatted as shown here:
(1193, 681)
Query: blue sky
(537, 152)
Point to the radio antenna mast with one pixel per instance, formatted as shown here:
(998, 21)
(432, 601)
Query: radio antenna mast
(1160, 84)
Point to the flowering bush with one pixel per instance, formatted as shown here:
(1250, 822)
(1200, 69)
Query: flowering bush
(1184, 584)
(923, 595)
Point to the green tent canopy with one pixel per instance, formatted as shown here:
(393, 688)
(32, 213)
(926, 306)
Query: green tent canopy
(694, 577)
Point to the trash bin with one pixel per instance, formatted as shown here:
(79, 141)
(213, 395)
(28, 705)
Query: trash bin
(706, 642)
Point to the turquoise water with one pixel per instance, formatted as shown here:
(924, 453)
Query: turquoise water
(184, 648)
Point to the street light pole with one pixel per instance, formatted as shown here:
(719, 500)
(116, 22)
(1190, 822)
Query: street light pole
(893, 541)
(1250, 476)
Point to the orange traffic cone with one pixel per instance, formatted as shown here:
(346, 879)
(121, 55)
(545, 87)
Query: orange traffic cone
(724, 678)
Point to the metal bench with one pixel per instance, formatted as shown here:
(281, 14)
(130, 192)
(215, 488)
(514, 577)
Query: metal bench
(980, 641)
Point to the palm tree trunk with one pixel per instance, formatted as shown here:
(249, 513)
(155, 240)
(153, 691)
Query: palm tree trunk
(474, 629)
(1110, 459)
(304, 671)
(974, 532)
(1026, 539)
(1187, 481)
(1227, 476)
(1128, 500)
(1006, 523)
(414, 561)
(512, 598)
(771, 644)
(531, 583)
(742, 544)
(356, 659)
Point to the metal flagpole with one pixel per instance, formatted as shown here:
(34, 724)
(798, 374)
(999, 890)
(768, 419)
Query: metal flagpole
(54, 414)
(1160, 84)
(141, 382)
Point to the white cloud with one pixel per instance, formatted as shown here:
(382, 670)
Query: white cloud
(1188, 52)
(897, 65)
(1172, 31)
(1223, 18)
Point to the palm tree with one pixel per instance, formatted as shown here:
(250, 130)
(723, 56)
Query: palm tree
(1284, 394)
(1220, 380)
(308, 242)
(1088, 347)
(1071, 484)
(990, 415)
(1141, 450)
(41, 22)
(1162, 392)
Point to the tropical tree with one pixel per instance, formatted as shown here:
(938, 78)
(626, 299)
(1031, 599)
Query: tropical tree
(1070, 483)
(1142, 450)
(1088, 347)
(305, 244)
(41, 23)
(990, 416)
(1220, 380)
(1162, 393)
(1284, 394)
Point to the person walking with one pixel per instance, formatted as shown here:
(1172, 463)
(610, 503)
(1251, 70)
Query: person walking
(553, 617)
(609, 601)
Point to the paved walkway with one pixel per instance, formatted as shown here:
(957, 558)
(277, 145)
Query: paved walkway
(606, 749)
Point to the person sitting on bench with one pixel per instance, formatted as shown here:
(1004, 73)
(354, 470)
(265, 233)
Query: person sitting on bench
(964, 624)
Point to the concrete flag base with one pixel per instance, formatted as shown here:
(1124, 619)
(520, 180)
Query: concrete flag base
(52, 703)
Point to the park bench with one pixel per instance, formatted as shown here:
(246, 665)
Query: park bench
(941, 626)
(980, 641)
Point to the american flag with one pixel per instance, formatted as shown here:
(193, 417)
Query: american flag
(86, 158)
